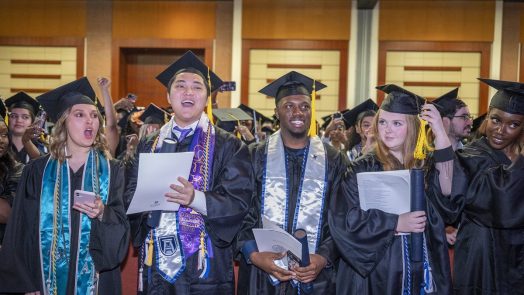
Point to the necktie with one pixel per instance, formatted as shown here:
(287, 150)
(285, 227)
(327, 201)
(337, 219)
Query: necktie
(183, 132)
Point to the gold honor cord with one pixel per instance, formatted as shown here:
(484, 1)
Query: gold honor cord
(313, 124)
(209, 103)
(423, 145)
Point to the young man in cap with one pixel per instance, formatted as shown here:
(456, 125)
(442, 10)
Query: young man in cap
(24, 135)
(190, 251)
(458, 123)
(295, 176)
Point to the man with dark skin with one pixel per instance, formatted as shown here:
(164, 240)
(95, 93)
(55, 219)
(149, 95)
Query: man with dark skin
(294, 169)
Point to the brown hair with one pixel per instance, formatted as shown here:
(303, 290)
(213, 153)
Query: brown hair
(388, 161)
(58, 139)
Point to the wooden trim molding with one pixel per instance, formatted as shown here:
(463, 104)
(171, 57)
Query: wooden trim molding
(435, 84)
(436, 69)
(36, 62)
(297, 66)
(50, 42)
(118, 62)
(521, 68)
(35, 76)
(30, 90)
(341, 46)
(484, 48)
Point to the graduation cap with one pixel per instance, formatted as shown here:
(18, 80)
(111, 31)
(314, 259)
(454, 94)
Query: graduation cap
(400, 100)
(477, 122)
(294, 83)
(24, 101)
(187, 62)
(228, 119)
(259, 116)
(154, 115)
(291, 83)
(509, 97)
(231, 115)
(58, 100)
(447, 103)
(351, 116)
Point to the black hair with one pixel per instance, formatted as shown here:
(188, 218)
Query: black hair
(189, 70)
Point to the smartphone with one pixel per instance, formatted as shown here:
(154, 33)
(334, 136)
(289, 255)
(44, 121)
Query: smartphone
(40, 119)
(228, 86)
(83, 197)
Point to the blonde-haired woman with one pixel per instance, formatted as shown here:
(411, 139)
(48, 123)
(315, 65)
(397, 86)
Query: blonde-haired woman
(376, 259)
(56, 243)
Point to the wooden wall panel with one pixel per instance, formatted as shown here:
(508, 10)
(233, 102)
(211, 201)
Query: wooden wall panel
(164, 19)
(296, 19)
(33, 18)
(511, 36)
(437, 20)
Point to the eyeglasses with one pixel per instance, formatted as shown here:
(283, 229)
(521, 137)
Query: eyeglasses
(14, 116)
(465, 117)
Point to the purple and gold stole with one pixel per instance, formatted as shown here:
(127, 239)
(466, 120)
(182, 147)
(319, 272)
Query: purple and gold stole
(181, 234)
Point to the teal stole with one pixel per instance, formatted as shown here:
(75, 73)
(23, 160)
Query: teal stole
(55, 225)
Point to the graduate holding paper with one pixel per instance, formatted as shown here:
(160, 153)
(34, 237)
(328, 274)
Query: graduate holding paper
(190, 251)
(295, 176)
(375, 259)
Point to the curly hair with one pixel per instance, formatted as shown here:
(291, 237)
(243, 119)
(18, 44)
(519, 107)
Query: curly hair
(389, 162)
(59, 135)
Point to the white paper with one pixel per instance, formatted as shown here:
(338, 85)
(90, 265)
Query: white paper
(156, 172)
(388, 191)
(272, 238)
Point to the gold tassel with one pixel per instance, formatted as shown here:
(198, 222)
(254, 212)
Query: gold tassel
(423, 145)
(313, 125)
(149, 256)
(209, 102)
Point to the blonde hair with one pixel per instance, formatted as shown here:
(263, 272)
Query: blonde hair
(58, 139)
(388, 161)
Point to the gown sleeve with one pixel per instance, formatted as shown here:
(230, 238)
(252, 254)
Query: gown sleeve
(362, 237)
(494, 195)
(20, 267)
(252, 219)
(137, 222)
(232, 189)
(110, 237)
(337, 163)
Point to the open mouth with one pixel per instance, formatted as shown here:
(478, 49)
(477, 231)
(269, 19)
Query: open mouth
(188, 103)
(497, 140)
(88, 133)
(297, 123)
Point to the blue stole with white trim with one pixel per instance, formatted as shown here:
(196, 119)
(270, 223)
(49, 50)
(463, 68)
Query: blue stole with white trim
(55, 225)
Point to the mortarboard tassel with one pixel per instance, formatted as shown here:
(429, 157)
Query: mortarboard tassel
(313, 125)
(423, 146)
(209, 102)
(149, 255)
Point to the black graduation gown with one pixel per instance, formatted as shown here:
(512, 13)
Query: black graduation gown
(371, 254)
(227, 204)
(8, 184)
(252, 280)
(22, 156)
(489, 251)
(20, 255)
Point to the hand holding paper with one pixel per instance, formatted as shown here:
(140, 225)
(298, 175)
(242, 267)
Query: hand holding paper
(156, 173)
